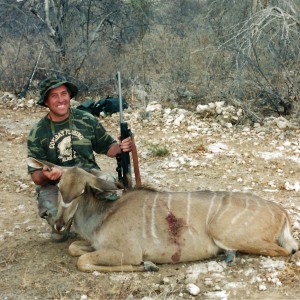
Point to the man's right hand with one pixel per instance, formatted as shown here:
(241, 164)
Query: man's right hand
(41, 177)
(52, 174)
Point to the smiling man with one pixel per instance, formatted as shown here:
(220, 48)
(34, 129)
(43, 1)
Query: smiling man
(58, 102)
(65, 137)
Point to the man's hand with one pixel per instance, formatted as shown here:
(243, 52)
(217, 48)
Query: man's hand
(52, 174)
(41, 177)
(126, 145)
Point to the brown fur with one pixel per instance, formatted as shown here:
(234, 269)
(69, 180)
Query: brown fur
(166, 227)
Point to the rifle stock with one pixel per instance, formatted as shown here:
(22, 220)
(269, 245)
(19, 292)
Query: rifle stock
(135, 159)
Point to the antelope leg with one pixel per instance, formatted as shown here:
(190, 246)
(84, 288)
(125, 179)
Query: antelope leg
(79, 248)
(265, 248)
(112, 260)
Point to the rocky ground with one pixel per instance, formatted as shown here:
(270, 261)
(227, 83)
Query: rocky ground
(209, 148)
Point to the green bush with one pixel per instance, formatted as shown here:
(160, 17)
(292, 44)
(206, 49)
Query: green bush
(159, 151)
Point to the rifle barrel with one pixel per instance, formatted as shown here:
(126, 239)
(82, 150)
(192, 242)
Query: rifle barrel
(120, 98)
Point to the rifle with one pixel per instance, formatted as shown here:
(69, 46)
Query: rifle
(123, 159)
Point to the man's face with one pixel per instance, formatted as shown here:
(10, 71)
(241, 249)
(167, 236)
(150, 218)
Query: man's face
(58, 101)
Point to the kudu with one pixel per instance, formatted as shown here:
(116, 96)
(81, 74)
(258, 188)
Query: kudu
(145, 225)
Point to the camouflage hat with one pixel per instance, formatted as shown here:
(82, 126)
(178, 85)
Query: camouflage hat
(51, 83)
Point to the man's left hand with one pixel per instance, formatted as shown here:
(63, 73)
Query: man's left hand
(126, 145)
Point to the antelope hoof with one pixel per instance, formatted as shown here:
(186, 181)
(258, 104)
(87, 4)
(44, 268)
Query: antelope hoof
(230, 257)
(150, 266)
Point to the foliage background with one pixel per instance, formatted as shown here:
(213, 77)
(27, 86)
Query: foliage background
(171, 51)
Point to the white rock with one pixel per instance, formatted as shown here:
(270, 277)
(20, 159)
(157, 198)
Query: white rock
(217, 295)
(192, 128)
(228, 125)
(193, 289)
(154, 106)
(270, 155)
(167, 111)
(255, 279)
(214, 266)
(96, 273)
(195, 163)
(217, 147)
(194, 271)
(21, 207)
(166, 280)
(201, 108)
(249, 272)
(234, 285)
(296, 225)
(30, 103)
(28, 228)
(220, 110)
(262, 287)
(292, 187)
(179, 120)
(282, 123)
(270, 264)
(240, 113)
(173, 164)
(181, 160)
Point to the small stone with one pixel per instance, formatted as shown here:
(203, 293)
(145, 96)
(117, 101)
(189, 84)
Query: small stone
(166, 280)
(96, 273)
(28, 228)
(193, 289)
(262, 287)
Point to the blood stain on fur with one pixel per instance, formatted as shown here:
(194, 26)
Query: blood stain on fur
(175, 226)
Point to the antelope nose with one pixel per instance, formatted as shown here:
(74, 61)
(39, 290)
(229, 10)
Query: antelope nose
(59, 226)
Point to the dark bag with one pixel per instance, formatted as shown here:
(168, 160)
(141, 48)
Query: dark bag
(87, 105)
(108, 105)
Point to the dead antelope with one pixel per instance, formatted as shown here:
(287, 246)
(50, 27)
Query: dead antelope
(145, 225)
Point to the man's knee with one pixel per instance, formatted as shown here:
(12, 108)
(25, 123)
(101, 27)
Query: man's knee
(47, 201)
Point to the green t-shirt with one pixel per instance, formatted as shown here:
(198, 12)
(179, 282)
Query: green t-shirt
(69, 142)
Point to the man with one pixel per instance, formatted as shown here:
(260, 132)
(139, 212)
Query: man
(65, 137)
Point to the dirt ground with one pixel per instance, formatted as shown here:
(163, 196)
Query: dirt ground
(264, 160)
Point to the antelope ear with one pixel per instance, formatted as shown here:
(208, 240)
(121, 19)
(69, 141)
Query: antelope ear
(102, 185)
(96, 188)
(38, 164)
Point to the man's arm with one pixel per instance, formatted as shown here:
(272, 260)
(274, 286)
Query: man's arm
(42, 177)
(116, 148)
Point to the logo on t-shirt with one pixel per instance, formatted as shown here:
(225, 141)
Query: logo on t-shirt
(63, 143)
